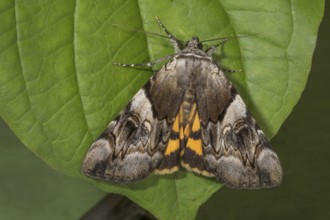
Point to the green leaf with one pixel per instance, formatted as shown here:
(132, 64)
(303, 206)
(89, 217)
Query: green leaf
(59, 89)
(29, 189)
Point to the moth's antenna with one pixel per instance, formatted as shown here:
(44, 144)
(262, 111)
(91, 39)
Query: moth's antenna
(223, 38)
(141, 31)
(177, 44)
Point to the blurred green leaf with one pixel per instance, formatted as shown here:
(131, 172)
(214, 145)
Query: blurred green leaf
(59, 89)
(29, 189)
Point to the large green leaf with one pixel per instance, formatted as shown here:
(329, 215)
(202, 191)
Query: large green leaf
(59, 89)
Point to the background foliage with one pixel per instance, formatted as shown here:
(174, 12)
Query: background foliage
(57, 92)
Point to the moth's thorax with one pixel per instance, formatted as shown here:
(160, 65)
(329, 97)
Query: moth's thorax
(194, 48)
(194, 52)
(191, 70)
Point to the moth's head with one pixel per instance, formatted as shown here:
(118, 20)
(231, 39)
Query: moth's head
(194, 43)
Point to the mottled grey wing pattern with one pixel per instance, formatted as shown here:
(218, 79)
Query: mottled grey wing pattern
(235, 149)
(212, 92)
(133, 144)
(166, 89)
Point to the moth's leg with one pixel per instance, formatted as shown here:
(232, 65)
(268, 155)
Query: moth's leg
(211, 50)
(230, 71)
(150, 64)
(175, 42)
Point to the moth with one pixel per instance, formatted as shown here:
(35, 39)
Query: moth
(188, 113)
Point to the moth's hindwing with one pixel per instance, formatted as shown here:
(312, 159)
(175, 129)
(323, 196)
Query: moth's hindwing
(193, 153)
(171, 160)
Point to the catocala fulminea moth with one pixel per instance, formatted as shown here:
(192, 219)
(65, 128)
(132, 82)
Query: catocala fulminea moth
(188, 113)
